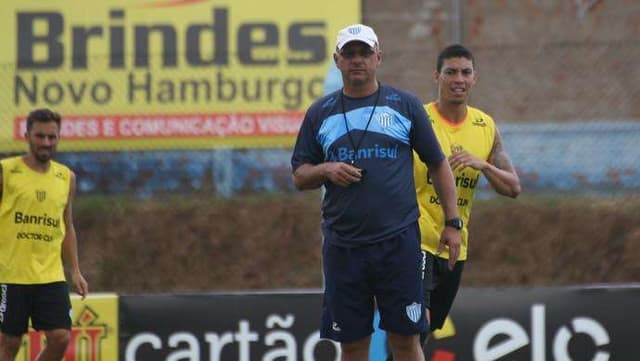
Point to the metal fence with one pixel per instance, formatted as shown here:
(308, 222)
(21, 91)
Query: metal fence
(558, 77)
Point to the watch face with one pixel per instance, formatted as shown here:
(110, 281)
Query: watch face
(455, 223)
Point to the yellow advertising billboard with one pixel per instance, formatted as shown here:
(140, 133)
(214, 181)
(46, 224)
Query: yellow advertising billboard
(166, 74)
(94, 331)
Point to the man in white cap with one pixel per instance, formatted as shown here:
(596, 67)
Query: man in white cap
(357, 142)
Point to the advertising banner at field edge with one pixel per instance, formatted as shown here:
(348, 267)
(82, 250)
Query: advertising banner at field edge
(541, 324)
(157, 74)
(94, 331)
(488, 324)
(239, 327)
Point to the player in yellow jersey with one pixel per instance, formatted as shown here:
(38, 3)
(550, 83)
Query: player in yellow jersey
(473, 146)
(472, 143)
(36, 232)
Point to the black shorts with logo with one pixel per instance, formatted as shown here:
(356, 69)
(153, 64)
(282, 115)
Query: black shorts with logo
(440, 287)
(47, 305)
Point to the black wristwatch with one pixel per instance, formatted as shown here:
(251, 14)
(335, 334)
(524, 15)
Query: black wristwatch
(454, 222)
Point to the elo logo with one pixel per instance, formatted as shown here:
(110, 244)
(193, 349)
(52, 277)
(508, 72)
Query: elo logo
(516, 338)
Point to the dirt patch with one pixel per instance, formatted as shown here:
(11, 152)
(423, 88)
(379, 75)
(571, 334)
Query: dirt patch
(274, 242)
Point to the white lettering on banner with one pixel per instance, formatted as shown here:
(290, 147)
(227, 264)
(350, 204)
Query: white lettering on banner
(108, 128)
(175, 126)
(585, 325)
(517, 338)
(82, 128)
(274, 337)
(310, 346)
(187, 346)
(217, 342)
(244, 336)
(277, 124)
(192, 352)
(140, 339)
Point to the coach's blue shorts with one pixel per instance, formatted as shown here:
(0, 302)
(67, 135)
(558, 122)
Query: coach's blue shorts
(389, 272)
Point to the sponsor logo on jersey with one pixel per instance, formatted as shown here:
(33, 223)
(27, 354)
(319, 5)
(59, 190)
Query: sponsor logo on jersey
(44, 220)
(3, 301)
(393, 97)
(385, 119)
(343, 154)
(41, 195)
(34, 236)
(479, 123)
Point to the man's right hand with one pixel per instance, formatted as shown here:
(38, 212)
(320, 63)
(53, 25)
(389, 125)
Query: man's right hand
(451, 238)
(343, 174)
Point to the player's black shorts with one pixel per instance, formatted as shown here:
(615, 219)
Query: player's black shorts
(47, 305)
(440, 287)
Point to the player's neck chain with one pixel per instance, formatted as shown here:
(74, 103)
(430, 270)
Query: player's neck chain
(346, 123)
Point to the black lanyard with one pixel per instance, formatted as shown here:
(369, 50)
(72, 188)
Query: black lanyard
(356, 147)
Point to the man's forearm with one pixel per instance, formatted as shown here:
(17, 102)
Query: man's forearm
(502, 181)
(309, 176)
(70, 252)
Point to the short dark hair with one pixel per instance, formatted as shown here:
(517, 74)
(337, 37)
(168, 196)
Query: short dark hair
(454, 51)
(43, 115)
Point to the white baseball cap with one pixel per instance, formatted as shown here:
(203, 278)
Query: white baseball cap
(357, 32)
